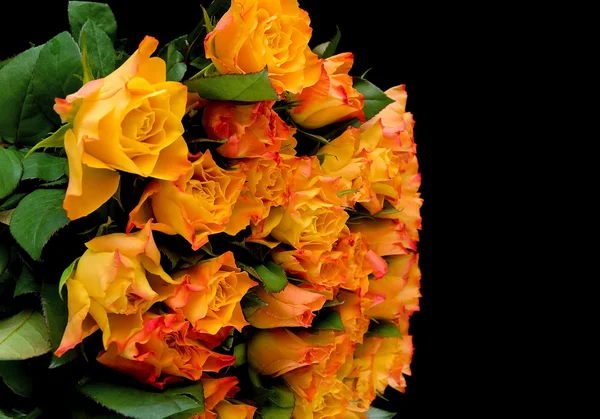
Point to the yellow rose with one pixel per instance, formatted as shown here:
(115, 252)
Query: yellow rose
(254, 34)
(115, 281)
(330, 402)
(353, 314)
(129, 121)
(209, 294)
(384, 237)
(332, 99)
(196, 205)
(342, 159)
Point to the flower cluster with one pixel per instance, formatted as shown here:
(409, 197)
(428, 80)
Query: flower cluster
(254, 213)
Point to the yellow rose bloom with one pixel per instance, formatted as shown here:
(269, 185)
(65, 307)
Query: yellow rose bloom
(254, 34)
(115, 281)
(129, 121)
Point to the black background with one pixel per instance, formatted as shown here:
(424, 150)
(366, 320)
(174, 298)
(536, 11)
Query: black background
(400, 42)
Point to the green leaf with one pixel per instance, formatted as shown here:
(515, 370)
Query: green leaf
(57, 73)
(239, 351)
(327, 49)
(146, 404)
(333, 303)
(384, 328)
(80, 11)
(11, 170)
(4, 257)
(375, 99)
(272, 276)
(280, 404)
(45, 167)
(23, 336)
(37, 217)
(251, 87)
(347, 191)
(375, 413)
(173, 57)
(65, 275)
(12, 201)
(4, 62)
(26, 283)
(328, 319)
(16, 377)
(387, 209)
(55, 139)
(100, 52)
(56, 316)
(21, 120)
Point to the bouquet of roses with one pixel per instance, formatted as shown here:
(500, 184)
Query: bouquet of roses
(223, 225)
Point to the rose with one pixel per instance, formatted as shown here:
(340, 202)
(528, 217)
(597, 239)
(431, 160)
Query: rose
(293, 306)
(166, 350)
(397, 293)
(254, 34)
(361, 379)
(279, 350)
(358, 261)
(115, 281)
(330, 401)
(129, 121)
(251, 130)
(198, 204)
(215, 405)
(384, 237)
(209, 293)
(313, 217)
(332, 99)
(353, 314)
(305, 381)
(392, 362)
(342, 159)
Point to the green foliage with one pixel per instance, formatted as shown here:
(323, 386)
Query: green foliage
(251, 87)
(384, 328)
(279, 405)
(15, 376)
(272, 276)
(57, 73)
(81, 11)
(375, 413)
(172, 54)
(56, 317)
(26, 283)
(375, 99)
(11, 171)
(327, 49)
(140, 403)
(21, 120)
(100, 55)
(37, 217)
(45, 167)
(328, 319)
(23, 336)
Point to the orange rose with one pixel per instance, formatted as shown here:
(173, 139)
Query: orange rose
(165, 351)
(397, 293)
(215, 405)
(251, 130)
(305, 381)
(358, 261)
(392, 362)
(293, 306)
(352, 312)
(332, 99)
(322, 269)
(129, 121)
(330, 402)
(198, 204)
(361, 379)
(115, 281)
(384, 237)
(278, 351)
(254, 34)
(313, 217)
(209, 293)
